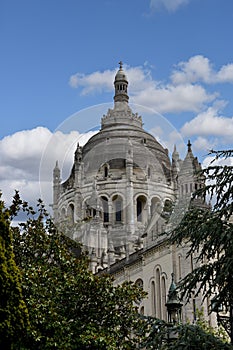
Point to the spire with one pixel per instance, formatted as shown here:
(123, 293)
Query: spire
(121, 85)
(189, 146)
(172, 288)
(189, 155)
(78, 154)
(56, 173)
(173, 303)
(175, 154)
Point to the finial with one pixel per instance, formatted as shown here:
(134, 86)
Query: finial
(121, 64)
(189, 146)
(173, 285)
(173, 275)
(56, 165)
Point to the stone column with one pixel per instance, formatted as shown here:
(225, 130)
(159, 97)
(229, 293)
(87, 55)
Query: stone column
(110, 212)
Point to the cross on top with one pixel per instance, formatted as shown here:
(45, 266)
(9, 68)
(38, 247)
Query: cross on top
(121, 64)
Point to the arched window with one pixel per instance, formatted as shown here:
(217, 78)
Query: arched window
(105, 209)
(158, 294)
(139, 283)
(139, 210)
(141, 203)
(148, 172)
(164, 299)
(105, 171)
(118, 210)
(179, 267)
(70, 213)
(117, 201)
(168, 205)
(153, 301)
(167, 208)
(63, 213)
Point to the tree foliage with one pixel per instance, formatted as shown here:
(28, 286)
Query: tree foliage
(13, 312)
(69, 307)
(209, 233)
(160, 335)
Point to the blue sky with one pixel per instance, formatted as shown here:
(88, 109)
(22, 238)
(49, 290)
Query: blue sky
(59, 57)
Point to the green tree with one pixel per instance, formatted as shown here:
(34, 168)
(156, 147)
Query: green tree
(14, 320)
(69, 307)
(209, 233)
(160, 335)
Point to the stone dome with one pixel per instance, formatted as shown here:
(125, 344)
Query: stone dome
(132, 177)
(121, 129)
(120, 74)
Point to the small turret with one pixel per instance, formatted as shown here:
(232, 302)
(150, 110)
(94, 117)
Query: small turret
(56, 174)
(78, 154)
(175, 166)
(78, 158)
(189, 176)
(175, 159)
(121, 85)
(173, 304)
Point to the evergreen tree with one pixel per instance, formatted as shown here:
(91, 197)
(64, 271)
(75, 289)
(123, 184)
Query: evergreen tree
(209, 233)
(160, 335)
(13, 311)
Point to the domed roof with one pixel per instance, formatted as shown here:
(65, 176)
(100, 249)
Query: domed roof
(121, 74)
(120, 126)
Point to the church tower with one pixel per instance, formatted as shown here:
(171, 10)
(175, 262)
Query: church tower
(122, 196)
(122, 185)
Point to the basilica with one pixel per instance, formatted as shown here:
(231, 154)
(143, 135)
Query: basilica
(122, 196)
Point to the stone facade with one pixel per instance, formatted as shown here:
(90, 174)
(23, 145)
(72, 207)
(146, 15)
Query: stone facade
(122, 193)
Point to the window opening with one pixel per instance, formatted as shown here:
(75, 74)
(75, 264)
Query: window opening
(139, 210)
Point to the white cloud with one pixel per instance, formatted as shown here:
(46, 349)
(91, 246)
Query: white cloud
(199, 69)
(211, 160)
(225, 74)
(171, 98)
(145, 91)
(97, 81)
(204, 144)
(28, 158)
(209, 123)
(13, 146)
(169, 5)
(138, 77)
